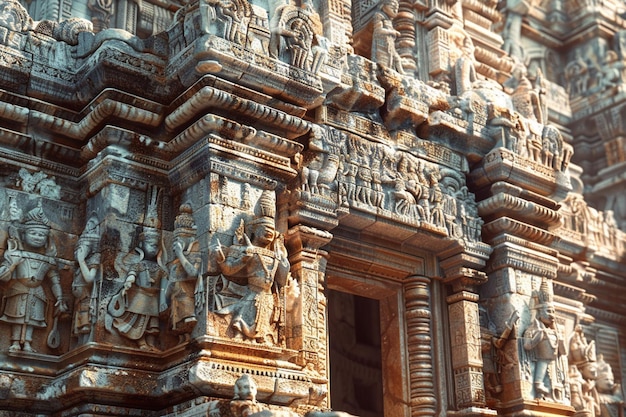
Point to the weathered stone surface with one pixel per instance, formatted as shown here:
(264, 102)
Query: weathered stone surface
(197, 196)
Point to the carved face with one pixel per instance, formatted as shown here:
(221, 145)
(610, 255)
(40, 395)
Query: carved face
(546, 315)
(150, 245)
(36, 237)
(590, 371)
(605, 381)
(264, 234)
(245, 389)
(390, 7)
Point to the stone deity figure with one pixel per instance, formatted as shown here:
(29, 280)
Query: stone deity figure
(243, 403)
(259, 265)
(515, 11)
(523, 94)
(88, 258)
(543, 340)
(465, 68)
(135, 309)
(185, 280)
(609, 393)
(384, 36)
(492, 347)
(582, 355)
(29, 260)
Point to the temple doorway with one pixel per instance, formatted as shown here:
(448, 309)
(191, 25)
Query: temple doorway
(356, 371)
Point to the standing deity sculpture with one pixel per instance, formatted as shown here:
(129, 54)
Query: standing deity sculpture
(29, 260)
(609, 393)
(384, 36)
(465, 68)
(185, 284)
(134, 310)
(545, 346)
(87, 256)
(256, 278)
(515, 10)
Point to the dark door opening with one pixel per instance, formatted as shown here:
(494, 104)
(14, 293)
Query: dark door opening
(356, 374)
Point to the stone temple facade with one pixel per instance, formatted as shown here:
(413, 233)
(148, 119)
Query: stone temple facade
(322, 208)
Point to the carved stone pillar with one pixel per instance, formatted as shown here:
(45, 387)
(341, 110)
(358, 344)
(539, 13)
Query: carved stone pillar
(467, 361)
(438, 21)
(405, 43)
(519, 228)
(419, 345)
(337, 26)
(308, 334)
(461, 266)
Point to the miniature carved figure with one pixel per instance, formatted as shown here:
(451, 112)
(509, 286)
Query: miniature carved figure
(292, 31)
(384, 36)
(577, 75)
(244, 401)
(29, 260)
(85, 294)
(436, 197)
(136, 307)
(541, 88)
(492, 347)
(14, 16)
(609, 393)
(612, 69)
(544, 341)
(226, 18)
(186, 284)
(525, 98)
(582, 354)
(256, 271)
(405, 204)
(243, 404)
(465, 68)
(515, 11)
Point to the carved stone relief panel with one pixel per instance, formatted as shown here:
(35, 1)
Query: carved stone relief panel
(355, 173)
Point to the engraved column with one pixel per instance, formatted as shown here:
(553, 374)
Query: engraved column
(419, 346)
(467, 362)
(309, 323)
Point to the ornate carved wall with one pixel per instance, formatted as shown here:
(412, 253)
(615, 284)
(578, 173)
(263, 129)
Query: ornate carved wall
(198, 199)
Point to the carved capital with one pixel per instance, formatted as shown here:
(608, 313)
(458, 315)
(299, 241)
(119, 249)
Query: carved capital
(306, 241)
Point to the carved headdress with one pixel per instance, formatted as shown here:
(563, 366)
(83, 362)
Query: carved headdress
(36, 219)
(265, 209)
(152, 224)
(543, 297)
(581, 352)
(184, 225)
